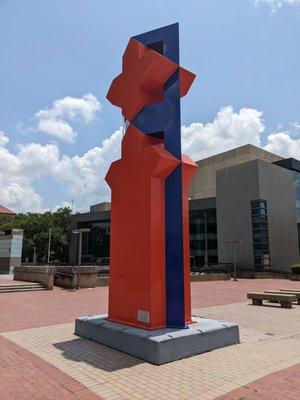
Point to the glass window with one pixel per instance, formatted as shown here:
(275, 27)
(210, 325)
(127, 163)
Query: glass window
(95, 244)
(260, 234)
(203, 237)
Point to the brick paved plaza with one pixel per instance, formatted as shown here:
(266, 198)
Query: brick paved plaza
(41, 358)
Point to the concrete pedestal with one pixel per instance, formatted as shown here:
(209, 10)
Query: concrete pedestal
(159, 346)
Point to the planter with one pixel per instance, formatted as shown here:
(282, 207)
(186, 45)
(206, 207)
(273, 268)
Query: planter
(39, 274)
(67, 277)
(210, 277)
(295, 277)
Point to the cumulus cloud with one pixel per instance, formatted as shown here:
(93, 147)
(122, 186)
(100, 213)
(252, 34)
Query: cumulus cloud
(56, 121)
(284, 144)
(16, 190)
(3, 139)
(82, 176)
(277, 4)
(228, 130)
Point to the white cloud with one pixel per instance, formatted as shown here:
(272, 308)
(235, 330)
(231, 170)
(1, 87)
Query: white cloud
(82, 176)
(228, 130)
(56, 120)
(276, 4)
(284, 144)
(296, 126)
(16, 190)
(3, 139)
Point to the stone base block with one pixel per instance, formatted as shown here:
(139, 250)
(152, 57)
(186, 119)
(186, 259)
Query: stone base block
(159, 346)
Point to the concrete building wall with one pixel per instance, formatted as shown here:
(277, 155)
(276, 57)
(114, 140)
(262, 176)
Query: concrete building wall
(203, 184)
(276, 186)
(105, 206)
(236, 187)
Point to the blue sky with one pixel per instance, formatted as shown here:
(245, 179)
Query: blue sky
(245, 54)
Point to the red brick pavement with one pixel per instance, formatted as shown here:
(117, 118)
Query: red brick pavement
(24, 376)
(281, 385)
(35, 309)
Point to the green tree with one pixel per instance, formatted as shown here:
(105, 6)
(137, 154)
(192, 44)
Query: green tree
(36, 233)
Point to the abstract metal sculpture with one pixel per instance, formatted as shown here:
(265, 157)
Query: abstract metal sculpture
(149, 261)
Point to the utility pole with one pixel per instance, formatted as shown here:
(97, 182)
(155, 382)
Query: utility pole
(205, 241)
(34, 256)
(49, 246)
(80, 232)
(234, 243)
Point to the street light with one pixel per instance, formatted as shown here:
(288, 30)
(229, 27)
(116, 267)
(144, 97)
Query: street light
(234, 243)
(80, 232)
(49, 246)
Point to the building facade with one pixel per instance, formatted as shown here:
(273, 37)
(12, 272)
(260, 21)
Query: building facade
(11, 242)
(95, 244)
(246, 195)
(256, 207)
(294, 166)
(203, 184)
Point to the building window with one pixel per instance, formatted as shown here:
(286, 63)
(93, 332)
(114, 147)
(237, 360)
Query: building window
(95, 244)
(260, 235)
(203, 238)
(297, 193)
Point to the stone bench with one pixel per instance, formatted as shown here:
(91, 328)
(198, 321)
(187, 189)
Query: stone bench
(281, 291)
(284, 299)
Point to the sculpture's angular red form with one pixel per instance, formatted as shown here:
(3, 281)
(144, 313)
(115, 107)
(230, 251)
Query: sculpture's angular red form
(137, 261)
(141, 82)
(189, 169)
(186, 79)
(144, 73)
(149, 254)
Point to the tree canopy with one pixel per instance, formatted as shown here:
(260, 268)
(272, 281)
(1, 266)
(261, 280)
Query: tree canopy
(36, 234)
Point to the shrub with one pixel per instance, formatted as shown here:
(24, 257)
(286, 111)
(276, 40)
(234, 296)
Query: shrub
(295, 269)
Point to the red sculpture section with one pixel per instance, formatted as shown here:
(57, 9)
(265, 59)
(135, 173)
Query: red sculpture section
(186, 78)
(189, 169)
(144, 73)
(137, 264)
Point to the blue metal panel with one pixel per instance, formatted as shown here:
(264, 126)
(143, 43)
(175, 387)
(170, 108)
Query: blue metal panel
(169, 35)
(155, 119)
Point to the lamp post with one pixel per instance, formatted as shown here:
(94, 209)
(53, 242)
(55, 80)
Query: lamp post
(234, 243)
(205, 241)
(80, 232)
(49, 246)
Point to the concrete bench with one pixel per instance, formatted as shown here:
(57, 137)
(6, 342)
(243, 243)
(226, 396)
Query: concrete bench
(290, 290)
(281, 291)
(284, 299)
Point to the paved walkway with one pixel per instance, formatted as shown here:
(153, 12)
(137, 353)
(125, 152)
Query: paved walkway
(268, 348)
(281, 385)
(58, 306)
(38, 340)
(26, 376)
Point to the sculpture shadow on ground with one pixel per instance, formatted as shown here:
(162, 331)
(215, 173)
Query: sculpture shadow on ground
(96, 355)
